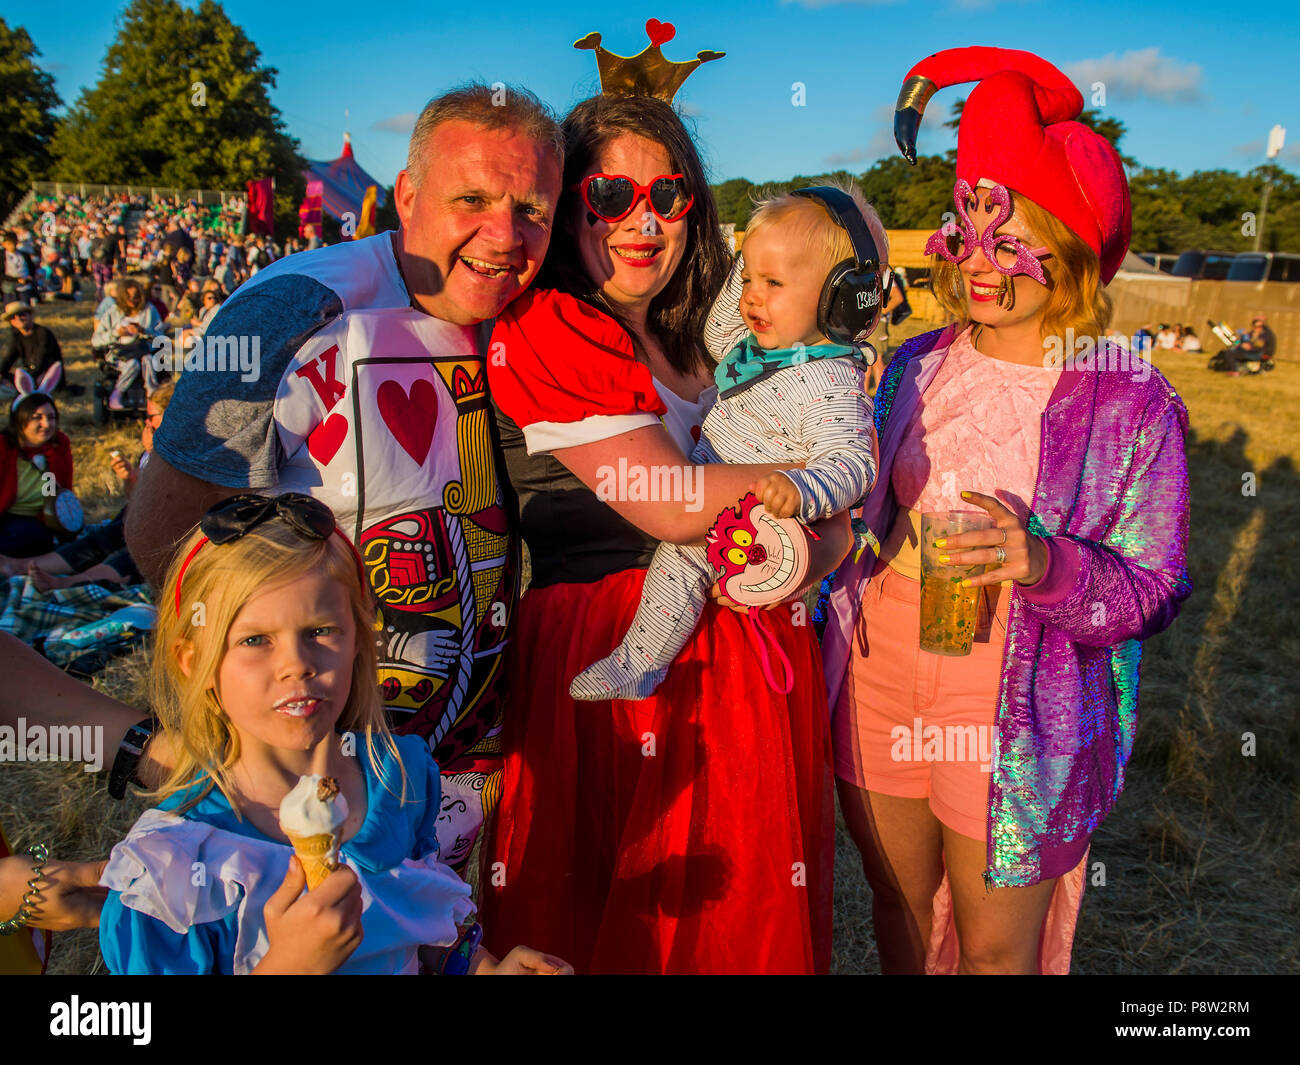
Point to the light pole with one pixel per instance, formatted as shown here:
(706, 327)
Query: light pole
(1276, 137)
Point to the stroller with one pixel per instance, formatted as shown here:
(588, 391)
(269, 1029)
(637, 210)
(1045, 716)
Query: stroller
(1249, 361)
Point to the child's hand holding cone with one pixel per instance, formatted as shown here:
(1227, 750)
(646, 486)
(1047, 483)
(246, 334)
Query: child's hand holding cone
(312, 933)
(312, 816)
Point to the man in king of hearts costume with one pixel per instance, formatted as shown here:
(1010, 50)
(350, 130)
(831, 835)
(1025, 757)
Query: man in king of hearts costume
(369, 393)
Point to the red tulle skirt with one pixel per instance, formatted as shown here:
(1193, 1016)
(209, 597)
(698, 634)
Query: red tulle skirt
(691, 832)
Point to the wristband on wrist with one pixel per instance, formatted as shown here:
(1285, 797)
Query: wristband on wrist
(128, 757)
(41, 854)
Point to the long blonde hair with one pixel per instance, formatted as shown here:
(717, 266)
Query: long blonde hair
(219, 580)
(1077, 298)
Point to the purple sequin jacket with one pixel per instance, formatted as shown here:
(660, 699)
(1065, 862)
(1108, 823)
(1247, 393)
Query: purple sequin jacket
(1111, 501)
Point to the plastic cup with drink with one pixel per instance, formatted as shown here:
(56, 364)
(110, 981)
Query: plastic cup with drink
(949, 611)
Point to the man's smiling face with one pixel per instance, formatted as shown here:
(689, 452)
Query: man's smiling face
(476, 227)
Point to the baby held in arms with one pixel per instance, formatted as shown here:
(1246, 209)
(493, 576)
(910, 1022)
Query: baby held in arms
(792, 389)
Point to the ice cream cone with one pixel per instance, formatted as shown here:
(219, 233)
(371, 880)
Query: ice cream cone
(312, 815)
(319, 855)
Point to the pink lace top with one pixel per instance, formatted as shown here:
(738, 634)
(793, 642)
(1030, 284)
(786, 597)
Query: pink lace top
(977, 429)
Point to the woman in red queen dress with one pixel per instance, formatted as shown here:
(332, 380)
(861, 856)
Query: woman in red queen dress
(691, 832)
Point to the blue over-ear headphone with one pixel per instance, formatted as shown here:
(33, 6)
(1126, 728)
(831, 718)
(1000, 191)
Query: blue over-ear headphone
(854, 292)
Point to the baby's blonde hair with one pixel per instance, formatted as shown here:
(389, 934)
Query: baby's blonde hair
(823, 237)
(219, 580)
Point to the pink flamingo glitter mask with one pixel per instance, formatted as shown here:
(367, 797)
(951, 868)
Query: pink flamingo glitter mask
(1008, 254)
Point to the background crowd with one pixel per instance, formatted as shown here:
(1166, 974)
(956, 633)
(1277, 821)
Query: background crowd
(53, 241)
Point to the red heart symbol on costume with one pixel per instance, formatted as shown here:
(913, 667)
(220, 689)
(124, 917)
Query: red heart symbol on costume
(695, 433)
(660, 32)
(327, 438)
(410, 418)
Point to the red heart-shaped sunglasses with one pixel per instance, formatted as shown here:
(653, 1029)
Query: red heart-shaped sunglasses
(611, 197)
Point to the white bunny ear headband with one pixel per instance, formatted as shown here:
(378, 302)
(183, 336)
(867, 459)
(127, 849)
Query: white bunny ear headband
(27, 387)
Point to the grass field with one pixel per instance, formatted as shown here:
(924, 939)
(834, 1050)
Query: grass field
(1202, 855)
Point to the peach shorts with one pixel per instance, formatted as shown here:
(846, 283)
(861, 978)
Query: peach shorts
(913, 724)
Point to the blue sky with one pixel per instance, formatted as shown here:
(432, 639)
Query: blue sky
(1197, 84)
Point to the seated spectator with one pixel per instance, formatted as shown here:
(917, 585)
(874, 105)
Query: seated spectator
(162, 294)
(1189, 340)
(128, 329)
(109, 299)
(188, 306)
(1166, 339)
(1144, 341)
(100, 556)
(65, 282)
(28, 345)
(19, 282)
(211, 299)
(1258, 347)
(183, 266)
(31, 446)
(225, 274)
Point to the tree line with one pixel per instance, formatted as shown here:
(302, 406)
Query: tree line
(1212, 210)
(183, 100)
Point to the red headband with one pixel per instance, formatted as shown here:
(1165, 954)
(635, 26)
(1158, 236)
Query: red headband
(180, 577)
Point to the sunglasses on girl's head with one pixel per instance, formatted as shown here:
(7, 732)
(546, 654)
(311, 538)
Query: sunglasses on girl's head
(234, 517)
(239, 515)
(611, 197)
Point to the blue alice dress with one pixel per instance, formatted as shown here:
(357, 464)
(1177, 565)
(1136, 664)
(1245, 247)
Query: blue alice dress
(187, 891)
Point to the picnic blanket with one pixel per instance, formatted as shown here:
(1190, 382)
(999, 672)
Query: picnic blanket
(72, 621)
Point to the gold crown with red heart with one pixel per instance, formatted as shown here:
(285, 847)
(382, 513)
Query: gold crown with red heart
(647, 73)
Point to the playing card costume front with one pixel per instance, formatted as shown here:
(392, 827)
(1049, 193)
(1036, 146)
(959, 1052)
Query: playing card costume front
(381, 412)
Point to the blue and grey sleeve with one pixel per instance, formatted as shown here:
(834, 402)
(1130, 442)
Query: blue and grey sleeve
(219, 426)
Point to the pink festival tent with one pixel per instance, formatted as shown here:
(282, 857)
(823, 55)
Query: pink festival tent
(343, 183)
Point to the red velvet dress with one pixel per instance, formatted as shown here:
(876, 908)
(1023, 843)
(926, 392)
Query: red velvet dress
(691, 832)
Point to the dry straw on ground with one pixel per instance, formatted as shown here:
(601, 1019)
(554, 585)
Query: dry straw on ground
(1202, 856)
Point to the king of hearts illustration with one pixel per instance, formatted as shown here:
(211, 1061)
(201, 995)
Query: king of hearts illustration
(384, 416)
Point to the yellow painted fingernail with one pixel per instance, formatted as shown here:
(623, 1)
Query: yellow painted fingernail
(965, 582)
(944, 559)
(941, 542)
(965, 495)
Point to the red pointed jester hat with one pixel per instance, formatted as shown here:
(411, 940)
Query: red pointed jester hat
(1018, 130)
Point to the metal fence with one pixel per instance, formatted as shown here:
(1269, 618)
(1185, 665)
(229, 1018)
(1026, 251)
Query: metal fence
(153, 192)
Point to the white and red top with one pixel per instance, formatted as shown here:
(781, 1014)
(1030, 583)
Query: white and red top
(567, 374)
